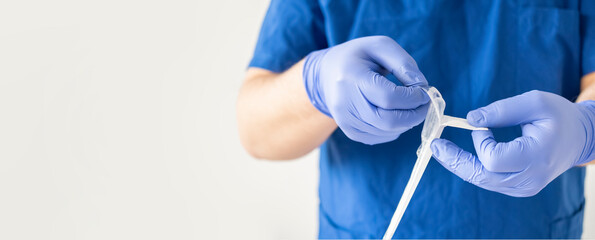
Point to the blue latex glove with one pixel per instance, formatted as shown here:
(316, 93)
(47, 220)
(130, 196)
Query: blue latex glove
(347, 83)
(557, 135)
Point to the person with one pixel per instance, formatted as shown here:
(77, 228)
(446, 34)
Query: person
(348, 76)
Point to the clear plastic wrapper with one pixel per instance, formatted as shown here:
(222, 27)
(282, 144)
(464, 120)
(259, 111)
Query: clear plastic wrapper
(433, 125)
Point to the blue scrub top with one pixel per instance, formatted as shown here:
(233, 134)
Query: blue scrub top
(475, 52)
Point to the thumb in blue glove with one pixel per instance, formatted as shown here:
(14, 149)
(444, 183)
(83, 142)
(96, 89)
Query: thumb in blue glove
(347, 83)
(556, 135)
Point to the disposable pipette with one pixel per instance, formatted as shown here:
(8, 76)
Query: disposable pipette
(433, 126)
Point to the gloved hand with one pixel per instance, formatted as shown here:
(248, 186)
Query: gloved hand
(347, 83)
(557, 135)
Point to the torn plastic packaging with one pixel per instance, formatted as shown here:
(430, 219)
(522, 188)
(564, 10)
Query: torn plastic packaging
(433, 125)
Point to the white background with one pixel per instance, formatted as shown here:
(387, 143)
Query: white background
(117, 122)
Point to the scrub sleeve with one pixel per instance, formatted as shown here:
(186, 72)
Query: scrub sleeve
(587, 11)
(290, 31)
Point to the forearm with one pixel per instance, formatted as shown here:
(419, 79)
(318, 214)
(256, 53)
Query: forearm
(275, 117)
(587, 92)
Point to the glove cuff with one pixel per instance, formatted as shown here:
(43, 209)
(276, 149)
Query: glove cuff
(588, 110)
(310, 74)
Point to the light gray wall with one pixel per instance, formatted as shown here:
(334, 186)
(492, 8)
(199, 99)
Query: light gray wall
(117, 122)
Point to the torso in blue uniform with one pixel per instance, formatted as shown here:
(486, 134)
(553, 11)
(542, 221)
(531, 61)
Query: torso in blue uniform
(473, 51)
